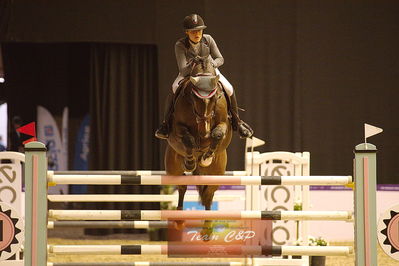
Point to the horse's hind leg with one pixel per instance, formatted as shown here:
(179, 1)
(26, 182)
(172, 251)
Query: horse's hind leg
(182, 192)
(206, 193)
(174, 166)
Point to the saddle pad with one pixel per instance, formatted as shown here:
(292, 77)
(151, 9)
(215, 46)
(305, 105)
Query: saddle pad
(205, 87)
(204, 94)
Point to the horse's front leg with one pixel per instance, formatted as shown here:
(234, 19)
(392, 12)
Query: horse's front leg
(217, 136)
(190, 162)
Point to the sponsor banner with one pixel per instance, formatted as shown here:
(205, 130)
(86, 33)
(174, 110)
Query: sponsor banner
(81, 157)
(388, 187)
(223, 187)
(49, 134)
(64, 151)
(196, 206)
(329, 188)
(220, 238)
(381, 187)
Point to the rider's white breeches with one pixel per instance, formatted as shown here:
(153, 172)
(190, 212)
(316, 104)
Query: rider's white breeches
(226, 84)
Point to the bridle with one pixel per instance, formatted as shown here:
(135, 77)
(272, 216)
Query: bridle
(198, 117)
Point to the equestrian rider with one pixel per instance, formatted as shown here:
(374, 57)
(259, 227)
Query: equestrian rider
(188, 50)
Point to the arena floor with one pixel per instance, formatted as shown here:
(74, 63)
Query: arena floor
(383, 259)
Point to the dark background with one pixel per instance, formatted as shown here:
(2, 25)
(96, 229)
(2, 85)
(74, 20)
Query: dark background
(308, 73)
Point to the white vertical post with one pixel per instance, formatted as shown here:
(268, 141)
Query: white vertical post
(35, 247)
(365, 174)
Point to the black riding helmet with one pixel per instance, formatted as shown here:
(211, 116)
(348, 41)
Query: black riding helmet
(193, 22)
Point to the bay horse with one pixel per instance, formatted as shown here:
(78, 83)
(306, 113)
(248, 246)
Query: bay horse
(200, 130)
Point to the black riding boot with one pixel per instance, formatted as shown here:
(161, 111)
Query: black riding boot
(243, 128)
(163, 130)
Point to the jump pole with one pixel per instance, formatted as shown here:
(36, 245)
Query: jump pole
(198, 250)
(118, 179)
(145, 263)
(133, 215)
(128, 224)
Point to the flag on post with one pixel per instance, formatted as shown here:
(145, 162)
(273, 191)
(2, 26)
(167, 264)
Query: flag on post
(370, 130)
(254, 142)
(30, 130)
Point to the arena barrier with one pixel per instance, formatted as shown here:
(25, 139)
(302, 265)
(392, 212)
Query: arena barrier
(365, 221)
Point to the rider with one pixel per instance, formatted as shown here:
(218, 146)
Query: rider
(188, 51)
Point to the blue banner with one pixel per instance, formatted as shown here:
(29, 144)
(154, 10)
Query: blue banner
(81, 157)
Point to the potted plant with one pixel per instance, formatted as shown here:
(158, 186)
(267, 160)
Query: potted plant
(317, 260)
(298, 242)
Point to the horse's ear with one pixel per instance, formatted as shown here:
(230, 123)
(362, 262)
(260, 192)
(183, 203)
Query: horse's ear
(194, 80)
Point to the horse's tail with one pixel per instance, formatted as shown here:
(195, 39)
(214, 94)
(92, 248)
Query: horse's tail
(206, 193)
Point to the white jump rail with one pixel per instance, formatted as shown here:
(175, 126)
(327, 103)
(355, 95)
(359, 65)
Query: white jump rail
(111, 179)
(195, 250)
(134, 198)
(127, 215)
(145, 263)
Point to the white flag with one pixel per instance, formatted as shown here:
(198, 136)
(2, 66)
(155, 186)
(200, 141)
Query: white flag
(370, 130)
(254, 142)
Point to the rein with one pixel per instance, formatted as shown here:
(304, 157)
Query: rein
(198, 117)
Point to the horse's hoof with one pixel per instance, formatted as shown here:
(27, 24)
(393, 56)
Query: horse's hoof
(206, 162)
(179, 225)
(190, 166)
(206, 234)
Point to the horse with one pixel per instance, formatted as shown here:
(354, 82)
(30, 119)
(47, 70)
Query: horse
(200, 130)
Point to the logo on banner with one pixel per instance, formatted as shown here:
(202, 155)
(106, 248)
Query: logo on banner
(388, 232)
(10, 232)
(219, 238)
(48, 131)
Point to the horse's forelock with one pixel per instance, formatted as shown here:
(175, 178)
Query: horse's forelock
(204, 66)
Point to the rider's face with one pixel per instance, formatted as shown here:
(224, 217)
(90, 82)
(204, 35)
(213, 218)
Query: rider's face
(194, 35)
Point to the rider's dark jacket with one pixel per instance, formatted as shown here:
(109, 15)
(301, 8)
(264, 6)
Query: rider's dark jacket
(185, 52)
